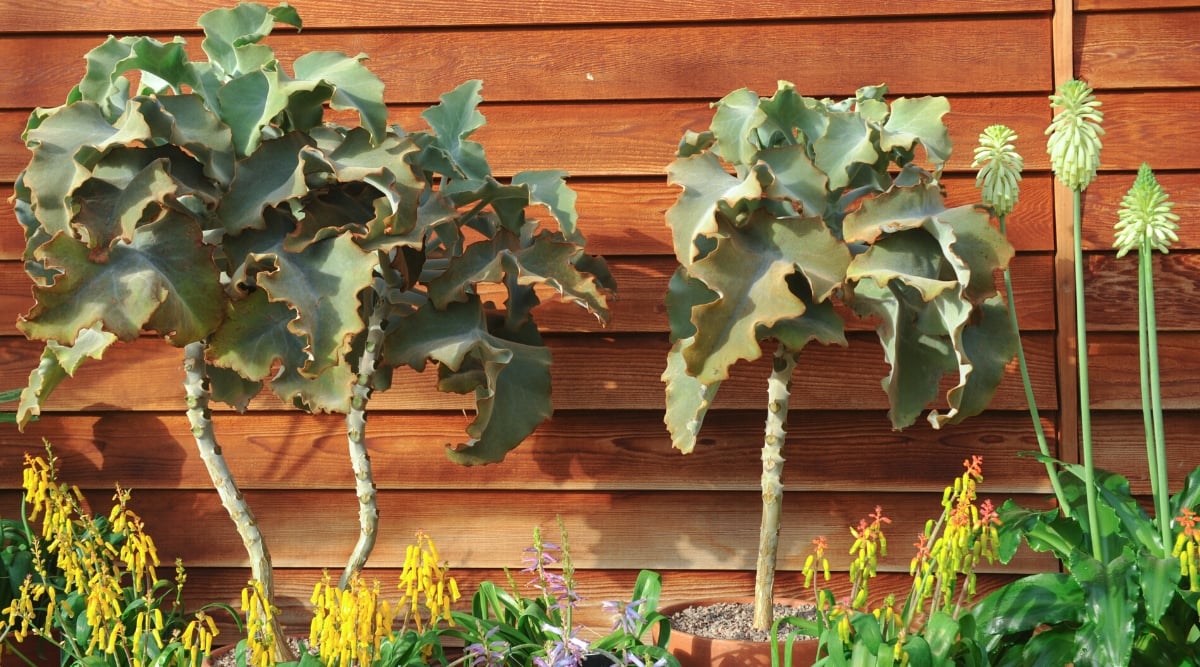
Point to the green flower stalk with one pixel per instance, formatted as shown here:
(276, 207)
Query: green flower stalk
(1074, 148)
(1074, 144)
(999, 180)
(1145, 224)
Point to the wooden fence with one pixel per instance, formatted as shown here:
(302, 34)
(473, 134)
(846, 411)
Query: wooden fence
(605, 90)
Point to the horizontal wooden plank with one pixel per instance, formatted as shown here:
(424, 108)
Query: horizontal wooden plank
(638, 308)
(1121, 5)
(1112, 50)
(1148, 127)
(118, 16)
(635, 138)
(1113, 367)
(622, 63)
(1102, 200)
(294, 588)
(626, 216)
(1111, 290)
(618, 372)
(575, 450)
(1120, 446)
(489, 529)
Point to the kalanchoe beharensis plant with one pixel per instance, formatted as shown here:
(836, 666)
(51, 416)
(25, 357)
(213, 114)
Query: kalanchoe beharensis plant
(792, 205)
(212, 202)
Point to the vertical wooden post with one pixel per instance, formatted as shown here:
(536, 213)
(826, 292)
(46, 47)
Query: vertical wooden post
(1063, 48)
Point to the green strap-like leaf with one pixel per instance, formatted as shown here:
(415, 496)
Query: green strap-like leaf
(164, 280)
(356, 88)
(1106, 635)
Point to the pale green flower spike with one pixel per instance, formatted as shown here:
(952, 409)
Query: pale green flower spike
(1145, 216)
(1074, 144)
(1000, 167)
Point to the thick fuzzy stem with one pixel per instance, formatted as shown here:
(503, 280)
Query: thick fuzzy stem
(779, 389)
(197, 388)
(360, 459)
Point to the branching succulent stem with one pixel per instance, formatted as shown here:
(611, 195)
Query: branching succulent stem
(356, 439)
(196, 385)
(1085, 412)
(779, 389)
(1030, 400)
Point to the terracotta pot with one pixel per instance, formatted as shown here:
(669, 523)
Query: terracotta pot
(696, 651)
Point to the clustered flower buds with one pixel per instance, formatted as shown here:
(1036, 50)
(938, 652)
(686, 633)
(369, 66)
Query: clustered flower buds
(1074, 144)
(1145, 221)
(1000, 167)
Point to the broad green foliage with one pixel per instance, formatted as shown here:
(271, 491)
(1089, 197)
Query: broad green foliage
(212, 201)
(791, 205)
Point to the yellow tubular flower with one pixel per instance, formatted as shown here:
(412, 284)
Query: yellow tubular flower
(1074, 144)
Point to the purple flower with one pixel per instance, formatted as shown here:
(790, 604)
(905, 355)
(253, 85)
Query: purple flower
(488, 652)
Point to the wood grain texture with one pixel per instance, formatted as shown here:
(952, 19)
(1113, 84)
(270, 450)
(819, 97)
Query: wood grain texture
(1142, 49)
(1121, 5)
(634, 139)
(1148, 126)
(628, 62)
(1102, 200)
(1113, 366)
(617, 372)
(138, 15)
(489, 529)
(575, 450)
(1121, 446)
(1111, 291)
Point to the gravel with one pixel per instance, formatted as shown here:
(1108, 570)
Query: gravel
(732, 620)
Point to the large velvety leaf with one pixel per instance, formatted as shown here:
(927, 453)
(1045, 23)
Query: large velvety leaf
(545, 261)
(454, 119)
(272, 175)
(103, 83)
(111, 209)
(322, 284)
(356, 88)
(893, 211)
(330, 391)
(688, 399)
(255, 337)
(788, 112)
(796, 178)
(987, 348)
(706, 184)
(164, 280)
(919, 120)
(846, 142)
(57, 362)
(232, 36)
(749, 269)
(65, 147)
(549, 188)
(510, 380)
(186, 121)
(248, 104)
(734, 123)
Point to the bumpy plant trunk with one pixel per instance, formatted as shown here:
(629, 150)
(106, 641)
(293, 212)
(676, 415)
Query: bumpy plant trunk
(197, 386)
(779, 391)
(360, 460)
